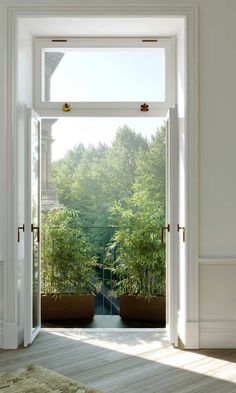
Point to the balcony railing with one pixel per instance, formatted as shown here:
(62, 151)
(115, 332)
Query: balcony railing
(49, 199)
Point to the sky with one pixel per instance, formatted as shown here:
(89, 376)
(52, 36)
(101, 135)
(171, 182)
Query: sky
(68, 132)
(105, 75)
(110, 75)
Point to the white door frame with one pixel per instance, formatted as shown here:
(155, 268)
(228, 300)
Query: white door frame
(33, 8)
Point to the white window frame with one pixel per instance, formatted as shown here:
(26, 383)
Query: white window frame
(157, 109)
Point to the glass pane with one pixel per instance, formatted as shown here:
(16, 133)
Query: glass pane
(104, 75)
(35, 220)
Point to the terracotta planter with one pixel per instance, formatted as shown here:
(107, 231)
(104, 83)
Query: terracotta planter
(143, 310)
(67, 306)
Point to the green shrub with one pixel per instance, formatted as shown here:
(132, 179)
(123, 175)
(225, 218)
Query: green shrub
(68, 265)
(136, 252)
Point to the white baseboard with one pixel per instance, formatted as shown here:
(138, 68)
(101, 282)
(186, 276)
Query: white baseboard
(9, 341)
(188, 333)
(218, 334)
(192, 335)
(181, 328)
(1, 334)
(10, 335)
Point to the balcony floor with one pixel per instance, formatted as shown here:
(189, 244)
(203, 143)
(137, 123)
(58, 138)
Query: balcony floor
(104, 321)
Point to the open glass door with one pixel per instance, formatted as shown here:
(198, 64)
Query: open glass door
(172, 173)
(32, 312)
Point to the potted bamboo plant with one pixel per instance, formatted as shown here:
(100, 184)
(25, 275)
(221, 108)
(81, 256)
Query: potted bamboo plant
(138, 258)
(68, 267)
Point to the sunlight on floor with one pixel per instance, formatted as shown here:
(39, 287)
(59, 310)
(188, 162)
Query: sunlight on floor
(124, 341)
(120, 340)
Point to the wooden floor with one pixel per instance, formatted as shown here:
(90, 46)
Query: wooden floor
(130, 361)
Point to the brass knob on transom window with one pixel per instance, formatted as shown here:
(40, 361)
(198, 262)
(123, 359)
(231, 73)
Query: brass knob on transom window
(144, 107)
(66, 107)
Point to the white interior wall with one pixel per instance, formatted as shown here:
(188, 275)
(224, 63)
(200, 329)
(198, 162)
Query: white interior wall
(217, 134)
(217, 181)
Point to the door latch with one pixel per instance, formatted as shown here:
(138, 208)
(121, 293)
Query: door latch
(18, 232)
(38, 232)
(183, 229)
(163, 229)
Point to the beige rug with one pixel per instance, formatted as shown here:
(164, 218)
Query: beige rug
(36, 379)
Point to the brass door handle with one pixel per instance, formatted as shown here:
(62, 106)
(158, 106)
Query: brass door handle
(163, 229)
(38, 231)
(18, 232)
(183, 229)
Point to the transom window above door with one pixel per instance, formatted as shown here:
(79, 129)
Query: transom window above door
(116, 74)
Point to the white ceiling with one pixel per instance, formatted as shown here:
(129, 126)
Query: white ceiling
(104, 27)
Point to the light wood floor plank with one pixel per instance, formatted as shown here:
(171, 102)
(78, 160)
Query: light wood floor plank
(127, 361)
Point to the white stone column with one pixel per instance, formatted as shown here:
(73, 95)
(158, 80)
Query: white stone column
(46, 156)
(52, 60)
(49, 191)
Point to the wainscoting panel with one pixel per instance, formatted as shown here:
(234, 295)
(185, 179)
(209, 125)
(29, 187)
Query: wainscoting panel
(217, 290)
(217, 302)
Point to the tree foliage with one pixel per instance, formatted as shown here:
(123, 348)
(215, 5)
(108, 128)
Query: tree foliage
(150, 171)
(91, 178)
